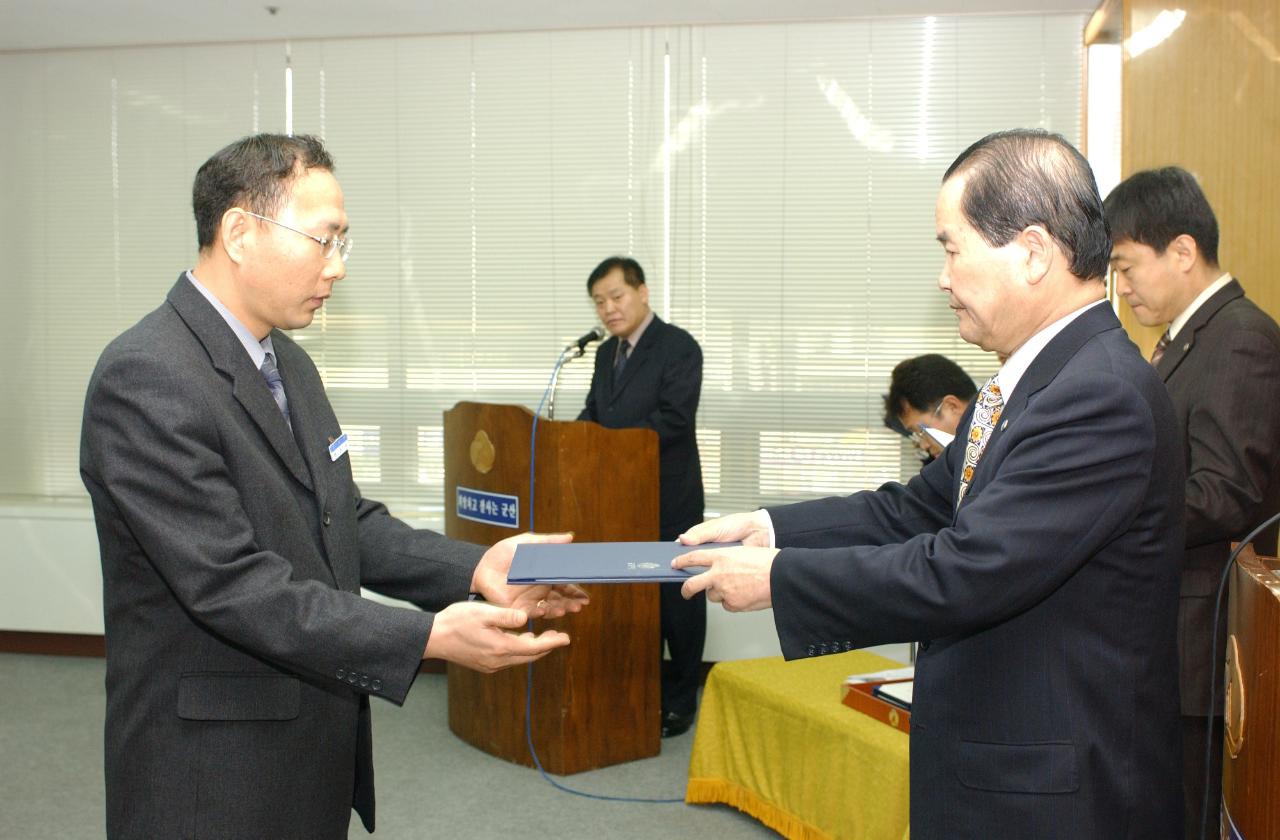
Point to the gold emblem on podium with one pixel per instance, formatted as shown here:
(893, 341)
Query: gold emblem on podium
(893, 718)
(482, 452)
(1235, 711)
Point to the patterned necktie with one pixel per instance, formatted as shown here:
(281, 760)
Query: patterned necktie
(1161, 346)
(986, 413)
(272, 374)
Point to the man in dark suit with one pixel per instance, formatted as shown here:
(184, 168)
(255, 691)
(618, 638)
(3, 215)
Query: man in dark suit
(649, 374)
(927, 392)
(1036, 559)
(1220, 360)
(240, 655)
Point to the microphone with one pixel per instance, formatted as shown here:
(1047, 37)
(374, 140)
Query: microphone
(597, 333)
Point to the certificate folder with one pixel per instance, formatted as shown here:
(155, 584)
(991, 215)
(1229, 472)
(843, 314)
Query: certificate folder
(880, 695)
(605, 562)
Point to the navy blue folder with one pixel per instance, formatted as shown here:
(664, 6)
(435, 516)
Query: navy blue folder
(618, 562)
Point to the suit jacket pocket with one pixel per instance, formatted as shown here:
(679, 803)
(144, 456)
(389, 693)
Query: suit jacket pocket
(232, 696)
(1046, 767)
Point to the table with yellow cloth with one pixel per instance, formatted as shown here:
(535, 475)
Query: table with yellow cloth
(774, 740)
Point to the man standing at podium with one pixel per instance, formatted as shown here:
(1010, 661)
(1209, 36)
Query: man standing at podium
(1220, 359)
(1036, 559)
(649, 374)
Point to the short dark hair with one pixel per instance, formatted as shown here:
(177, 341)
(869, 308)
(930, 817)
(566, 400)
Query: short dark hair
(1029, 177)
(921, 383)
(632, 273)
(254, 173)
(1156, 206)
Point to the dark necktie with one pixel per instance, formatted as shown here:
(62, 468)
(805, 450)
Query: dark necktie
(272, 374)
(1161, 346)
(624, 350)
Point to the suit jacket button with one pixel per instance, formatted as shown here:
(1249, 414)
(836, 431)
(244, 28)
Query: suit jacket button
(342, 674)
(326, 518)
(811, 650)
(376, 685)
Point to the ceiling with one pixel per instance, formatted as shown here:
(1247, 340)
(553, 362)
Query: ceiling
(47, 24)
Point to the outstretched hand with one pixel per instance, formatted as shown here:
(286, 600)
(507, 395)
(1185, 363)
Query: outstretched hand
(539, 601)
(737, 577)
(478, 636)
(748, 528)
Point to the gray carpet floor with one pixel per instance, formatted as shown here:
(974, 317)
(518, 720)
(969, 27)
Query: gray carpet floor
(430, 784)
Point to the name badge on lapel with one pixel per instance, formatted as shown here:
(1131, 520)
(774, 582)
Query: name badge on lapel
(338, 447)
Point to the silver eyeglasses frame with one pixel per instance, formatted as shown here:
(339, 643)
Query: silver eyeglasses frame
(331, 244)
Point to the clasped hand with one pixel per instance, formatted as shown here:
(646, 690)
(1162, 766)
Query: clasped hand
(738, 577)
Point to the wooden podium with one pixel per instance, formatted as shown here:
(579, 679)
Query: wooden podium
(596, 702)
(1251, 754)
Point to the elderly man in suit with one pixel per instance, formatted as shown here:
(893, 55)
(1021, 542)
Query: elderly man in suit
(649, 374)
(240, 655)
(1220, 359)
(1036, 559)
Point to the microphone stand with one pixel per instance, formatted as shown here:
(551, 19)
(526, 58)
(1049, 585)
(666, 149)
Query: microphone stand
(555, 377)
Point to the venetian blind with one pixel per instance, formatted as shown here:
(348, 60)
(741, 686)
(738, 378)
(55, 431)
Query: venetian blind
(776, 181)
(99, 150)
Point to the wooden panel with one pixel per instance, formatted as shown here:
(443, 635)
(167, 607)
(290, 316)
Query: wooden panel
(1249, 777)
(597, 702)
(52, 644)
(1208, 99)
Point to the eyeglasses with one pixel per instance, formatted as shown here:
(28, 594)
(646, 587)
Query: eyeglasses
(331, 244)
(920, 437)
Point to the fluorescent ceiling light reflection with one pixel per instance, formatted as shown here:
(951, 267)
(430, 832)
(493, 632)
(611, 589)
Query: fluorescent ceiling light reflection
(1154, 33)
(692, 124)
(860, 126)
(1247, 28)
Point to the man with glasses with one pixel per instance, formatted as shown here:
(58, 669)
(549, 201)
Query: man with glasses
(927, 392)
(234, 542)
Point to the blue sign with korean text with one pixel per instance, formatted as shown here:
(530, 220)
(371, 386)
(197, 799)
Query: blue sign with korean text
(489, 508)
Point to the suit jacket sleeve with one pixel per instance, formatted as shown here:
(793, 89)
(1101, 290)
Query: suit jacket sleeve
(423, 567)
(591, 411)
(159, 457)
(678, 393)
(1076, 469)
(893, 513)
(1233, 430)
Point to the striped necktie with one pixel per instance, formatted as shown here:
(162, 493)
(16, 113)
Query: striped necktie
(619, 363)
(986, 413)
(1161, 346)
(272, 374)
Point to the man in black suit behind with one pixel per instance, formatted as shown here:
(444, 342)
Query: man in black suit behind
(649, 373)
(234, 542)
(1220, 360)
(1036, 559)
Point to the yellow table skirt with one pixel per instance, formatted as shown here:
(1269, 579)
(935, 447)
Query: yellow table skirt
(774, 740)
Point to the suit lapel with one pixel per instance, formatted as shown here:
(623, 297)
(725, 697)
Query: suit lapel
(311, 438)
(1181, 346)
(1046, 366)
(639, 356)
(247, 385)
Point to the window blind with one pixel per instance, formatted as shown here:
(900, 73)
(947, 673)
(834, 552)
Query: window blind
(777, 181)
